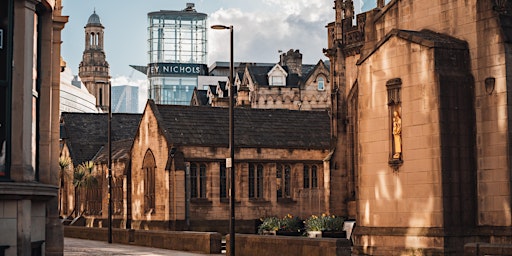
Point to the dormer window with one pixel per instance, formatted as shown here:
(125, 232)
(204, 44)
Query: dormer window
(277, 80)
(277, 76)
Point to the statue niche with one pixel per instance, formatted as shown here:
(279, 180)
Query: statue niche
(397, 135)
(395, 109)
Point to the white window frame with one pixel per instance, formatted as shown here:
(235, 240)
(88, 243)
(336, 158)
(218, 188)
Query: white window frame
(321, 81)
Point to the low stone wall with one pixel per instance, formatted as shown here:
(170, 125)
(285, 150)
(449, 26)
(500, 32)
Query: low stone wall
(256, 245)
(204, 242)
(481, 249)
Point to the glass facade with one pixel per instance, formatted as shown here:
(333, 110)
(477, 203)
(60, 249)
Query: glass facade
(177, 54)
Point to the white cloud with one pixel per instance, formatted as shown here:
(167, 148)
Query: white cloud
(284, 25)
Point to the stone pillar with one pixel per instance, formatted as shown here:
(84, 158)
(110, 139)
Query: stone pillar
(54, 229)
(24, 221)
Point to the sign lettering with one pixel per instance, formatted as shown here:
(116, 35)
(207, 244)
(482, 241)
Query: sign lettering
(155, 69)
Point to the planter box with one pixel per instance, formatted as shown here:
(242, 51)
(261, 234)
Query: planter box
(315, 234)
(334, 234)
(268, 233)
(288, 233)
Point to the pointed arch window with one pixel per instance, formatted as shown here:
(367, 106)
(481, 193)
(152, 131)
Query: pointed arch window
(148, 168)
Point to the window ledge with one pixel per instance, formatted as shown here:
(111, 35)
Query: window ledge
(200, 201)
(286, 200)
(258, 200)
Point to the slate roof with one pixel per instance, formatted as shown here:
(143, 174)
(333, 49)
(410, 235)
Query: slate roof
(86, 133)
(264, 128)
(259, 75)
(201, 96)
(120, 151)
(213, 89)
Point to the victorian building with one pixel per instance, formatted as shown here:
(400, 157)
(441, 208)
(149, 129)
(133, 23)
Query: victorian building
(30, 66)
(422, 123)
(288, 84)
(94, 68)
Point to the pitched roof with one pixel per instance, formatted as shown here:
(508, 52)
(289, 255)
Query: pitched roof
(120, 151)
(259, 75)
(201, 96)
(271, 128)
(86, 133)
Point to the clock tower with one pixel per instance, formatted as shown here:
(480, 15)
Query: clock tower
(94, 68)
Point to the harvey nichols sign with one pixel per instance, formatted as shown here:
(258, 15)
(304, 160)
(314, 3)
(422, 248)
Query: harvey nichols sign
(157, 69)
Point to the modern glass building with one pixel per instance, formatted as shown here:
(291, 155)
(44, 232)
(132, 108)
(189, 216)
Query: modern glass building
(125, 99)
(177, 54)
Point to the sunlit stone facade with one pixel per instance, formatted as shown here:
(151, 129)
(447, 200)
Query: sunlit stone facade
(441, 68)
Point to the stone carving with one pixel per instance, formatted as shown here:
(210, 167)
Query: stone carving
(397, 135)
(348, 9)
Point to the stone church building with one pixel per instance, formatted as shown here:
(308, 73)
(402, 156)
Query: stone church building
(282, 166)
(422, 116)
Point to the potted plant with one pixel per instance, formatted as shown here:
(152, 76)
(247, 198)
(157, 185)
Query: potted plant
(268, 226)
(288, 225)
(325, 226)
(334, 227)
(314, 226)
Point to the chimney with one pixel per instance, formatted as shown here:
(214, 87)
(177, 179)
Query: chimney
(293, 60)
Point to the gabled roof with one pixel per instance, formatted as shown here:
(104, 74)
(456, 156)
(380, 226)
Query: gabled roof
(201, 97)
(212, 89)
(222, 85)
(259, 76)
(257, 128)
(86, 133)
(120, 152)
(315, 67)
(277, 67)
(424, 37)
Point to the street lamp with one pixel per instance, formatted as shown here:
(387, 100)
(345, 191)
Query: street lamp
(109, 132)
(230, 162)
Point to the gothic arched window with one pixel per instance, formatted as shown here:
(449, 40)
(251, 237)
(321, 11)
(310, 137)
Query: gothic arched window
(148, 168)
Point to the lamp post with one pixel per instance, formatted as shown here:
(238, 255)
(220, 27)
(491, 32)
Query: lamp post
(109, 163)
(230, 162)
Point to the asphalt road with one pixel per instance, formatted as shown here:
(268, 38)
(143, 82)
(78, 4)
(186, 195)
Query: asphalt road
(76, 247)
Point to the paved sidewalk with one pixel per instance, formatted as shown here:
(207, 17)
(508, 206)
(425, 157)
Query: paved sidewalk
(76, 247)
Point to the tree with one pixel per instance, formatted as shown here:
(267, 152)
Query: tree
(83, 178)
(64, 162)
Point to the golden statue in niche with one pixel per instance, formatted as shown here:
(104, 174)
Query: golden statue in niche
(397, 135)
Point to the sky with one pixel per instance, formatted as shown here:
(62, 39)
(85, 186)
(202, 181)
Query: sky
(261, 29)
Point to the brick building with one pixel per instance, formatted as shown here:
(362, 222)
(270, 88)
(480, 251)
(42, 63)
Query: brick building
(423, 124)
